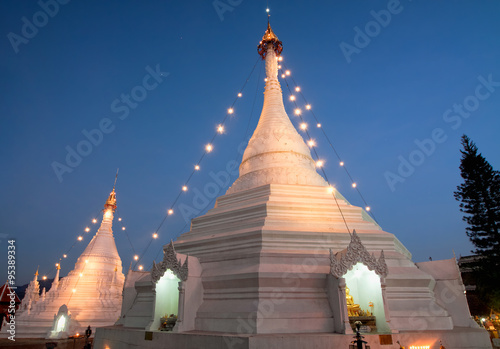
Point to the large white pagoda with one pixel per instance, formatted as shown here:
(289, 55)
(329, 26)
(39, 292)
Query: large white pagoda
(90, 295)
(285, 261)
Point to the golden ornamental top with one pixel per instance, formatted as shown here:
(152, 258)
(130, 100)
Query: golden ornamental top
(269, 34)
(269, 38)
(111, 202)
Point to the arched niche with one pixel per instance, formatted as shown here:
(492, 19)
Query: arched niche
(168, 278)
(61, 323)
(355, 268)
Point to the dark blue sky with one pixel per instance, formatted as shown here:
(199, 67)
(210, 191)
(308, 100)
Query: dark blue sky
(399, 86)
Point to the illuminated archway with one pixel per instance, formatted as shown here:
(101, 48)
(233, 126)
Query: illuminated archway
(366, 290)
(167, 297)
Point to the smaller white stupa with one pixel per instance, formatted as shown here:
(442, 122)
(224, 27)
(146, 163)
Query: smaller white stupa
(90, 295)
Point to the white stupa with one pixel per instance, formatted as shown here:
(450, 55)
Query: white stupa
(91, 294)
(284, 261)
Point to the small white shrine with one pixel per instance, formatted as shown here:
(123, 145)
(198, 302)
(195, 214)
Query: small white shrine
(90, 295)
(285, 261)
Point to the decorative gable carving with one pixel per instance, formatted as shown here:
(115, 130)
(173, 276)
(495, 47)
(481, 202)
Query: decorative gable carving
(170, 262)
(356, 252)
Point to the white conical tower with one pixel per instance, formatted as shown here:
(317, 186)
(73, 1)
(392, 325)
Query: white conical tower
(276, 153)
(92, 291)
(266, 242)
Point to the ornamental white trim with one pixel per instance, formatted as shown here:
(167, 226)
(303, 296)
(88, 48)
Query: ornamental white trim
(356, 252)
(171, 262)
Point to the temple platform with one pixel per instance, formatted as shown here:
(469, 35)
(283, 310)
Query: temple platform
(127, 338)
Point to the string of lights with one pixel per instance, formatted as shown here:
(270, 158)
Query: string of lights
(220, 129)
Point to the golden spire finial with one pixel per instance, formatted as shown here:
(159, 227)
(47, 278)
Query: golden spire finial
(111, 201)
(36, 274)
(269, 38)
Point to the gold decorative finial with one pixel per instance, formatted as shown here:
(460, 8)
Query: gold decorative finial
(269, 38)
(111, 202)
(36, 274)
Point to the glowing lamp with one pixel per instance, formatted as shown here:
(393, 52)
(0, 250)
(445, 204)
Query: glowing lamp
(74, 290)
(318, 125)
(354, 185)
(367, 208)
(230, 111)
(303, 126)
(87, 229)
(308, 107)
(197, 167)
(292, 97)
(44, 277)
(81, 274)
(136, 257)
(298, 111)
(283, 76)
(141, 267)
(208, 148)
(265, 79)
(297, 89)
(220, 129)
(330, 190)
(279, 66)
(80, 238)
(65, 255)
(86, 261)
(287, 72)
(280, 58)
(240, 94)
(341, 163)
(123, 228)
(319, 163)
(94, 221)
(184, 188)
(119, 219)
(170, 211)
(155, 236)
(311, 143)
(267, 10)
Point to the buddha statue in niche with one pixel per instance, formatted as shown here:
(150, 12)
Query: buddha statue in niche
(352, 309)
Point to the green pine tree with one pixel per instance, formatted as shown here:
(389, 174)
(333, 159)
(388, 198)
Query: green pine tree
(479, 197)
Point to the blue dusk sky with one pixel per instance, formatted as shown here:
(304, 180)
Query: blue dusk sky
(91, 86)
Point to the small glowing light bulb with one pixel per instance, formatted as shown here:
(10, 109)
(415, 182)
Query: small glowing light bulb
(330, 190)
(303, 126)
(220, 129)
(354, 185)
(279, 66)
(280, 58)
(318, 125)
(155, 236)
(80, 238)
(170, 211)
(308, 107)
(44, 277)
(87, 229)
(319, 163)
(208, 148)
(287, 72)
(86, 261)
(81, 274)
(341, 163)
(297, 89)
(94, 221)
(283, 76)
(197, 167)
(57, 264)
(240, 94)
(267, 10)
(367, 208)
(184, 188)
(141, 267)
(119, 219)
(65, 255)
(123, 228)
(136, 257)
(292, 97)
(74, 290)
(230, 111)
(265, 79)
(298, 111)
(311, 143)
